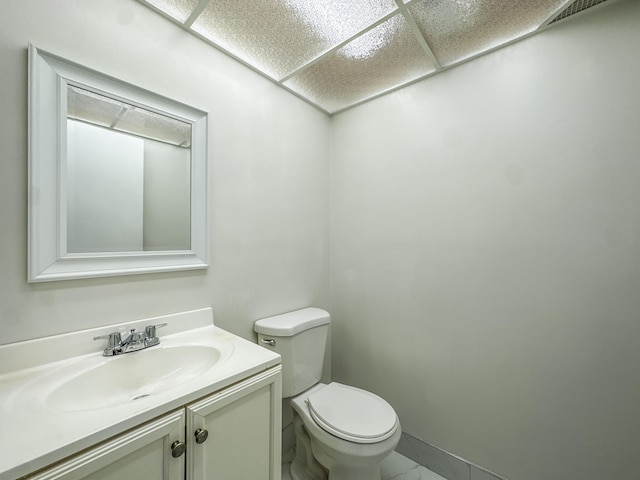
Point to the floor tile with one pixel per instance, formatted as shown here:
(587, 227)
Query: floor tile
(395, 467)
(399, 467)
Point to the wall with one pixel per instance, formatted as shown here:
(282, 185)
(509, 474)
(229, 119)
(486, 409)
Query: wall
(167, 196)
(485, 237)
(268, 175)
(104, 189)
(486, 252)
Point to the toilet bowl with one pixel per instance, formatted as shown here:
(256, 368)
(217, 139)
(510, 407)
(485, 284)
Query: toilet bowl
(350, 432)
(342, 432)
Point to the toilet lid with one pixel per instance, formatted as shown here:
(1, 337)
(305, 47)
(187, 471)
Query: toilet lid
(352, 414)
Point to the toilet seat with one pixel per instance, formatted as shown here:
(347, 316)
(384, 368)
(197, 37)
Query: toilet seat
(352, 414)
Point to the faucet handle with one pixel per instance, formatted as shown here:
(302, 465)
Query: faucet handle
(136, 336)
(114, 341)
(150, 333)
(113, 338)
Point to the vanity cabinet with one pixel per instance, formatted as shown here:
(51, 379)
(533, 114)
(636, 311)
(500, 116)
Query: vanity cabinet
(233, 433)
(144, 452)
(244, 431)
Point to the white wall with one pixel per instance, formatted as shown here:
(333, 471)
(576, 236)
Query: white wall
(268, 202)
(486, 253)
(486, 242)
(104, 189)
(167, 196)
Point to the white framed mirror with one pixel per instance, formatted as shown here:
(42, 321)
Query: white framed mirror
(117, 176)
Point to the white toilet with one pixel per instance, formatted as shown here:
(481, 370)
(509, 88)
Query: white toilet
(342, 432)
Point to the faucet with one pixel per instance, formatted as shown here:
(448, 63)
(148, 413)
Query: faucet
(132, 343)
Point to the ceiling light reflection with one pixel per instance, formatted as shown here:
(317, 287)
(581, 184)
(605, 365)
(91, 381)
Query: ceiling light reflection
(368, 44)
(334, 22)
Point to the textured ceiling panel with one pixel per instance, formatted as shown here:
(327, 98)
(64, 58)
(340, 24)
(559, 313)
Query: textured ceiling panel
(279, 36)
(459, 29)
(91, 107)
(178, 9)
(152, 125)
(385, 44)
(107, 112)
(383, 58)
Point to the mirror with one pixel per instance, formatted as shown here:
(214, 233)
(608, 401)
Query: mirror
(117, 176)
(127, 181)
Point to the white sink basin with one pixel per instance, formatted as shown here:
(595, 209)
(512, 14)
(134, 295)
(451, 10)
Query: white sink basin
(133, 376)
(64, 389)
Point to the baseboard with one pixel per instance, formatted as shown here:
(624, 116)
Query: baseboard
(443, 463)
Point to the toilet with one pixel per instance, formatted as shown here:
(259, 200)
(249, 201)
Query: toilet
(342, 432)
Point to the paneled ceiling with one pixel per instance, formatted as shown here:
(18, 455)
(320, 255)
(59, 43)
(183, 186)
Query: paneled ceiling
(336, 54)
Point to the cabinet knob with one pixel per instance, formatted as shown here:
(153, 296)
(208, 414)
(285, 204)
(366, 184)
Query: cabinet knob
(201, 435)
(177, 449)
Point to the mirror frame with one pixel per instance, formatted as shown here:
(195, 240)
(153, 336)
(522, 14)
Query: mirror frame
(48, 258)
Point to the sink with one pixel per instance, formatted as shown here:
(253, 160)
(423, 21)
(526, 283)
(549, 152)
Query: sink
(130, 377)
(62, 388)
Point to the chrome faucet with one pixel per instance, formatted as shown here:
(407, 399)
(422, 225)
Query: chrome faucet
(135, 340)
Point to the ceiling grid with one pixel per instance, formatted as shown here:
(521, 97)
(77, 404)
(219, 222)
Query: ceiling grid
(416, 31)
(336, 54)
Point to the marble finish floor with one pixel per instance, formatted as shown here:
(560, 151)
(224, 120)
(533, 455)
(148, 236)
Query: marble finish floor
(395, 467)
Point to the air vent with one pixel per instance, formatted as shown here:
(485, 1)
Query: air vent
(576, 7)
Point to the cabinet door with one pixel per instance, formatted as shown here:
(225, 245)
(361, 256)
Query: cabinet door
(144, 453)
(244, 431)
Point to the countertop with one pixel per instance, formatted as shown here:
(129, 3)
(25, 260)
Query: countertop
(36, 434)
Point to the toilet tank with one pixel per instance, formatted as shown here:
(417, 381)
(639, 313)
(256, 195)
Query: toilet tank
(300, 337)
